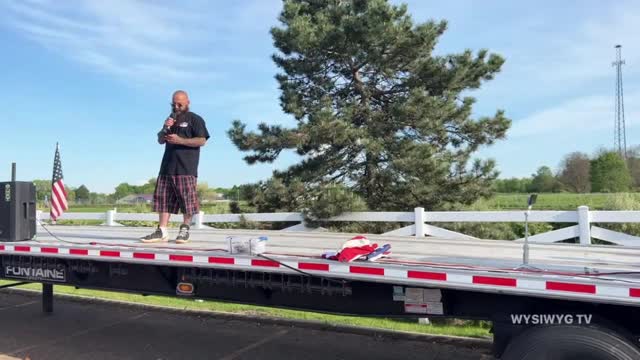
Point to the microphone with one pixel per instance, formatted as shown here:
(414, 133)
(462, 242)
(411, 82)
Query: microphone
(166, 129)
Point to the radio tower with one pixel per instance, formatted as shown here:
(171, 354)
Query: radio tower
(620, 135)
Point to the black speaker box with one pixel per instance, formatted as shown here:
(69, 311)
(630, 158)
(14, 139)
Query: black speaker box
(17, 211)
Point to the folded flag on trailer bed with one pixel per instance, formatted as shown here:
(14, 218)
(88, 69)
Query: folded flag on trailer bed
(358, 248)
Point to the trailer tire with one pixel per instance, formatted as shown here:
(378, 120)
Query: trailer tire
(566, 342)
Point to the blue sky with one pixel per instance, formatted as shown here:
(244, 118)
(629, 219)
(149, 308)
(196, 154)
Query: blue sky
(97, 77)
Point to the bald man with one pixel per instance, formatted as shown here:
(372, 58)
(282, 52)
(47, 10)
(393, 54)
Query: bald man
(183, 135)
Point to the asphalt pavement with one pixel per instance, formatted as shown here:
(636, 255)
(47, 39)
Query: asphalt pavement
(83, 329)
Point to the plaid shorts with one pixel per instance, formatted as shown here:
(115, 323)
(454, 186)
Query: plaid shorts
(176, 192)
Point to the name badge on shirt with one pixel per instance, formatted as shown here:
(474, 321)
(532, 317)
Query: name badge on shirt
(184, 125)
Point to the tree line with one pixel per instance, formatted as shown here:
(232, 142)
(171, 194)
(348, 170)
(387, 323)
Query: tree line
(604, 172)
(81, 195)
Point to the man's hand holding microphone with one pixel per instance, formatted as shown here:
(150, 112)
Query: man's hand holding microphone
(165, 135)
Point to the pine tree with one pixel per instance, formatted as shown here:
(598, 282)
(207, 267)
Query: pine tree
(377, 111)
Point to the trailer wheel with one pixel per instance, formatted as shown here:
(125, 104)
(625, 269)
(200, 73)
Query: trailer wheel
(566, 342)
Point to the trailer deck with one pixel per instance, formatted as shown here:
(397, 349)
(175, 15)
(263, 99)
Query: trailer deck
(603, 274)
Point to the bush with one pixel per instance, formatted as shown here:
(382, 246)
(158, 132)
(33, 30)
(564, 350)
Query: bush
(623, 201)
(234, 207)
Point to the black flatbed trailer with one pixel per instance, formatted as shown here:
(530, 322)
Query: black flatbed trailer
(569, 304)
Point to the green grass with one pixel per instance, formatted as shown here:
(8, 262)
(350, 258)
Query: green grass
(456, 328)
(552, 201)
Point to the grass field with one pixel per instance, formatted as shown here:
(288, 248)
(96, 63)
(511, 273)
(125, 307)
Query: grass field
(554, 201)
(459, 328)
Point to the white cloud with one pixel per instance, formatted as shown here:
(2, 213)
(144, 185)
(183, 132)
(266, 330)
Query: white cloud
(579, 115)
(134, 39)
(555, 59)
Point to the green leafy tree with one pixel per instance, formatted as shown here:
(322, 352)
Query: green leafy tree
(544, 181)
(147, 188)
(246, 191)
(227, 193)
(202, 189)
(377, 112)
(123, 190)
(43, 188)
(633, 163)
(205, 192)
(575, 172)
(71, 195)
(82, 193)
(609, 173)
(512, 185)
(99, 199)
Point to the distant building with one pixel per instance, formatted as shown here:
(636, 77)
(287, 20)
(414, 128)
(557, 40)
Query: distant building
(134, 199)
(211, 198)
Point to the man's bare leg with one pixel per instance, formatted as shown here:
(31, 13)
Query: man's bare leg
(164, 220)
(164, 223)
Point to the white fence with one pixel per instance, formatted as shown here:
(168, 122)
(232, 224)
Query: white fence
(421, 220)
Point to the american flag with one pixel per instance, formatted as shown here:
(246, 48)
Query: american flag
(58, 192)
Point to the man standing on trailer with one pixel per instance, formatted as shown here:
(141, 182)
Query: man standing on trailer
(183, 134)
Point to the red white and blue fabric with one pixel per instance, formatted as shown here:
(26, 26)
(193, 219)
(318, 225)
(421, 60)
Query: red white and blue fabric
(358, 248)
(58, 192)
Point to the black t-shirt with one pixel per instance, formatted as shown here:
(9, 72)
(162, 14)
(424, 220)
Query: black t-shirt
(181, 159)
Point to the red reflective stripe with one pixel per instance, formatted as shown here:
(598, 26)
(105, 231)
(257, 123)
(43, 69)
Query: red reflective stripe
(427, 275)
(490, 280)
(634, 292)
(181, 258)
(138, 255)
(366, 270)
(109, 253)
(267, 263)
(49, 250)
(79, 252)
(312, 266)
(22, 248)
(1, 247)
(221, 260)
(580, 288)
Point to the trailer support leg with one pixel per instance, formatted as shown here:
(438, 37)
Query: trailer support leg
(47, 298)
